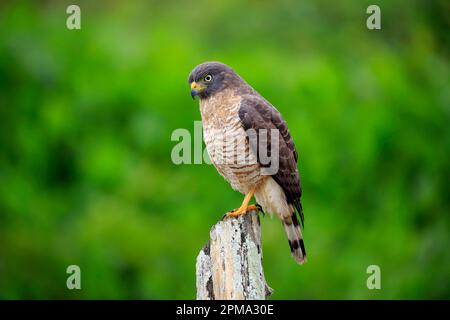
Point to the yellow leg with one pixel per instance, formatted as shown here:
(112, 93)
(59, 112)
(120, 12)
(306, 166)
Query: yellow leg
(244, 208)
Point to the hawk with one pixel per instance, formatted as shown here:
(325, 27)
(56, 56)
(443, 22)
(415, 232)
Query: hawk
(231, 109)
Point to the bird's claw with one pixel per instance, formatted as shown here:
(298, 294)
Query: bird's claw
(238, 212)
(260, 209)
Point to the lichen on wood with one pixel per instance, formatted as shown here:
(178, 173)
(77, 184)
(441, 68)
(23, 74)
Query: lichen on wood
(229, 267)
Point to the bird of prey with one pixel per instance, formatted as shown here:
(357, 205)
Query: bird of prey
(231, 109)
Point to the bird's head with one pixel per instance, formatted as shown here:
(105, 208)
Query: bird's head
(210, 78)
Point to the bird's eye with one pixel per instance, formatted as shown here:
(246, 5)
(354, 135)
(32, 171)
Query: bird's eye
(208, 78)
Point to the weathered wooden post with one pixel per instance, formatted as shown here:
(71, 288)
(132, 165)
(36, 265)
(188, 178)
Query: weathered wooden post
(229, 267)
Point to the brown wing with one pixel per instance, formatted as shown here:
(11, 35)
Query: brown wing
(256, 113)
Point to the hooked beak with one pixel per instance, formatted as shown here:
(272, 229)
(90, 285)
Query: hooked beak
(196, 88)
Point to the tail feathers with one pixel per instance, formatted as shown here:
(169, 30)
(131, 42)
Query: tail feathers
(294, 235)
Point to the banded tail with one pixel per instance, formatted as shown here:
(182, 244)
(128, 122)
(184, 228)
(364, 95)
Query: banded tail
(295, 238)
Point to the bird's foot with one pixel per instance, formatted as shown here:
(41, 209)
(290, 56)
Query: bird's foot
(242, 210)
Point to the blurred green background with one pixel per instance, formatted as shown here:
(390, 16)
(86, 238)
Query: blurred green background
(86, 118)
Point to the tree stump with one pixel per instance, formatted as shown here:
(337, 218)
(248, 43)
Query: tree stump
(229, 267)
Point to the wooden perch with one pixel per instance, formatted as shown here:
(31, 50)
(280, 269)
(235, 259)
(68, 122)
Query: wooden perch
(229, 267)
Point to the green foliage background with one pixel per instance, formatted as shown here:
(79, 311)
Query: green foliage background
(86, 118)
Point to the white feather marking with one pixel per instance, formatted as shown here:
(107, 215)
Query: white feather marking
(272, 198)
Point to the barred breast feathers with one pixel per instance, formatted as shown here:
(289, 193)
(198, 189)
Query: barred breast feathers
(227, 142)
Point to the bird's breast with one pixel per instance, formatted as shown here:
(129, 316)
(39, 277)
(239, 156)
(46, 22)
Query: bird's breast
(227, 143)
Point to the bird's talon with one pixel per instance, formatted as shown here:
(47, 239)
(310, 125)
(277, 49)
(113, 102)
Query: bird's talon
(241, 211)
(230, 214)
(260, 209)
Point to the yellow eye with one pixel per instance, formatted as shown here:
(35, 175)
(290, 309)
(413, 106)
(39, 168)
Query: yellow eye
(208, 78)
